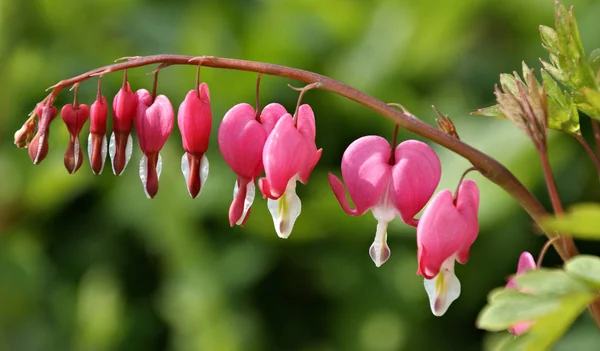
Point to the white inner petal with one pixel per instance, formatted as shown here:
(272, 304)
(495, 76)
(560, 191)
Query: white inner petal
(250, 193)
(39, 148)
(104, 147)
(379, 250)
(112, 150)
(443, 289)
(385, 211)
(203, 171)
(75, 154)
(185, 169)
(129, 150)
(285, 210)
(144, 171)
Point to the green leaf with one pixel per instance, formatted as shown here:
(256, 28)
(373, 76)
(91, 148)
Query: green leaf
(491, 111)
(549, 282)
(508, 83)
(594, 60)
(508, 307)
(592, 97)
(582, 221)
(562, 111)
(547, 330)
(586, 268)
(549, 38)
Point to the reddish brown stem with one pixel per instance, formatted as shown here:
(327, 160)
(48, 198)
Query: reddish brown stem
(596, 129)
(589, 151)
(488, 166)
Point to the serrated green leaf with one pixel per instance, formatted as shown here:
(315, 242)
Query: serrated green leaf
(592, 97)
(553, 89)
(594, 60)
(549, 38)
(547, 330)
(491, 111)
(585, 267)
(582, 221)
(509, 307)
(507, 81)
(549, 282)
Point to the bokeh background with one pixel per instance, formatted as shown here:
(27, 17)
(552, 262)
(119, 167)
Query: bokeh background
(88, 263)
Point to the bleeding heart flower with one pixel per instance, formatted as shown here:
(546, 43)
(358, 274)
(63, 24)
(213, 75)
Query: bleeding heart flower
(526, 263)
(289, 155)
(38, 148)
(124, 112)
(195, 122)
(241, 141)
(445, 233)
(74, 117)
(153, 123)
(97, 138)
(389, 184)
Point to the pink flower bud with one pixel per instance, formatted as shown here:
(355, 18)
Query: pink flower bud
(38, 148)
(195, 122)
(526, 263)
(446, 231)
(388, 190)
(153, 123)
(289, 155)
(74, 117)
(97, 139)
(124, 111)
(241, 141)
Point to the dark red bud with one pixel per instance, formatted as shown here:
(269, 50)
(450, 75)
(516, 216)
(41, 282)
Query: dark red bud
(124, 109)
(98, 114)
(73, 156)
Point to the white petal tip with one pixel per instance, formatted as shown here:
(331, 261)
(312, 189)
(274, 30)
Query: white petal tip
(443, 289)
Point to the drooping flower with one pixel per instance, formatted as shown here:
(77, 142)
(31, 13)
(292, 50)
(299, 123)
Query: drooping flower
(38, 148)
(124, 112)
(74, 117)
(445, 233)
(241, 141)
(195, 122)
(389, 184)
(290, 154)
(97, 138)
(526, 263)
(153, 123)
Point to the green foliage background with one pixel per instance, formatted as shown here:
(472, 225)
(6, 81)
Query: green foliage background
(88, 263)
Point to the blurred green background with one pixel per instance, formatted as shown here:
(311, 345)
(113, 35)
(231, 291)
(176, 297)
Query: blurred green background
(88, 263)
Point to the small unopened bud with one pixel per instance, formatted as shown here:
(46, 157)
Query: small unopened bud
(445, 124)
(38, 148)
(24, 135)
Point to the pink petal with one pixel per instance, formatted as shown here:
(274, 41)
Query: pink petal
(415, 176)
(439, 233)
(526, 263)
(154, 121)
(306, 122)
(340, 193)
(194, 118)
(270, 115)
(366, 171)
(124, 109)
(467, 204)
(75, 117)
(520, 328)
(241, 141)
(284, 155)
